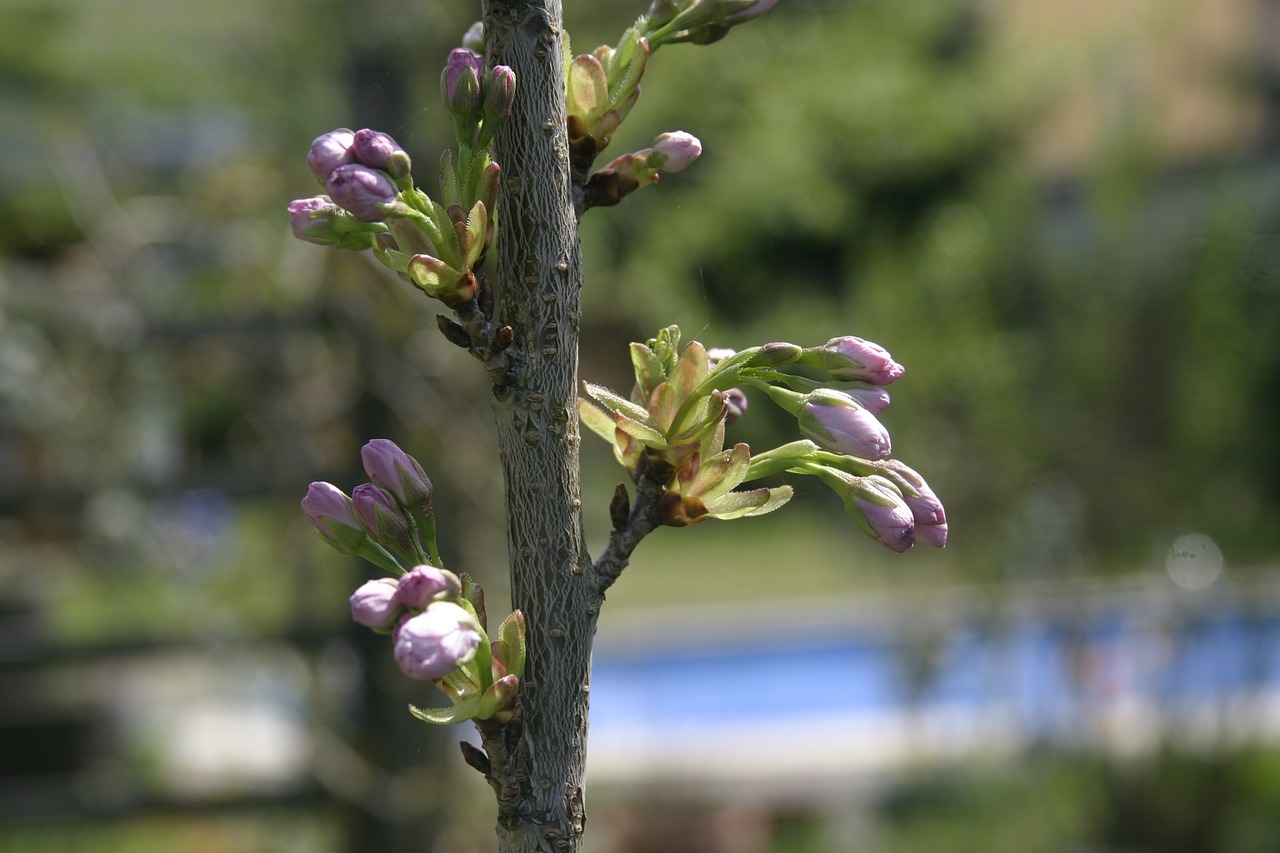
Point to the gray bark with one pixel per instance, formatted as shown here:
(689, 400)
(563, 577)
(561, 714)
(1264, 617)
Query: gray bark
(539, 279)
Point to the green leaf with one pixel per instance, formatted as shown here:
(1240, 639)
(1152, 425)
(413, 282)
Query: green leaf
(588, 88)
(476, 225)
(459, 713)
(642, 432)
(746, 504)
(721, 473)
(663, 406)
(691, 369)
(512, 637)
(648, 367)
(596, 420)
(616, 403)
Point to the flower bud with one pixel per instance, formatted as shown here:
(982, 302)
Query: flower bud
(499, 93)
(396, 471)
(435, 642)
(875, 399)
(329, 510)
(473, 38)
(735, 405)
(926, 508)
(378, 150)
(375, 605)
(376, 509)
(423, 584)
(854, 358)
(460, 81)
(678, 150)
(329, 151)
(312, 219)
(367, 193)
(836, 422)
(887, 516)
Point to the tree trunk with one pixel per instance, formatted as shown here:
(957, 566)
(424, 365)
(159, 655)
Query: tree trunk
(539, 280)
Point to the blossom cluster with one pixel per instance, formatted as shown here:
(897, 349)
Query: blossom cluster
(436, 618)
(673, 426)
(371, 201)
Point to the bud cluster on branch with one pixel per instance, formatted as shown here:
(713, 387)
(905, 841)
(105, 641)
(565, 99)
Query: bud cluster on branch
(672, 428)
(436, 618)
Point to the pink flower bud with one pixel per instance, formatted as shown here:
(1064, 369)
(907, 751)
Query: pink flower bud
(378, 150)
(460, 81)
(374, 604)
(929, 514)
(835, 421)
(433, 643)
(875, 400)
(473, 38)
(735, 405)
(886, 514)
(329, 151)
(327, 507)
(679, 148)
(376, 509)
(423, 584)
(365, 192)
(854, 358)
(396, 471)
(312, 219)
(499, 93)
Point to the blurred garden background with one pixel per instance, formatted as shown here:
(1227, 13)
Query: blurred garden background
(1064, 219)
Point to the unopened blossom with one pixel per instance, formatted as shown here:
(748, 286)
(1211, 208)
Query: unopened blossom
(437, 641)
(460, 81)
(378, 150)
(885, 511)
(375, 605)
(396, 471)
(735, 405)
(874, 399)
(329, 151)
(678, 148)
(376, 509)
(851, 357)
(366, 193)
(836, 421)
(928, 511)
(329, 510)
(423, 584)
(499, 93)
(312, 219)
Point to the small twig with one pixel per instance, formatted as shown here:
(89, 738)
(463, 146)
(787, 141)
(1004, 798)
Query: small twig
(644, 517)
(474, 331)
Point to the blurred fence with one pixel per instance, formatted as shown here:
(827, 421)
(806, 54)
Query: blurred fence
(855, 692)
